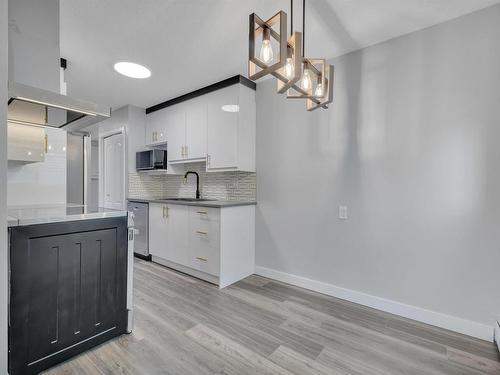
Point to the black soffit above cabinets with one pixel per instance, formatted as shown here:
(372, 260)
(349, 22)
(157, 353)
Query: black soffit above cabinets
(203, 91)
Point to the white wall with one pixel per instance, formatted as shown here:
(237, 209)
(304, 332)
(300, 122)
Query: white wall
(4, 286)
(34, 43)
(43, 182)
(411, 147)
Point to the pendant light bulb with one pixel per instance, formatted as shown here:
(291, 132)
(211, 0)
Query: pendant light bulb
(289, 69)
(319, 90)
(306, 81)
(266, 50)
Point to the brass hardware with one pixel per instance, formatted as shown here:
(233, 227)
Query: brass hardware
(186, 152)
(46, 143)
(163, 211)
(202, 259)
(200, 232)
(202, 212)
(167, 214)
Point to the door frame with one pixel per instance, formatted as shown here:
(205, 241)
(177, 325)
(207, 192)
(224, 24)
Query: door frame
(102, 136)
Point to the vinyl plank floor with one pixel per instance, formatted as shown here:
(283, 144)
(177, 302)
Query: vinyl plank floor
(184, 326)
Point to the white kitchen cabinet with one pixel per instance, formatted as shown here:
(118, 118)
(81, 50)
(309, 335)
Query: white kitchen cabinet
(157, 232)
(214, 244)
(231, 129)
(26, 143)
(176, 133)
(168, 232)
(156, 123)
(218, 127)
(196, 129)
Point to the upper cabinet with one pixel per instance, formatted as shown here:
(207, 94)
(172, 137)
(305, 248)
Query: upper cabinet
(156, 128)
(231, 129)
(217, 127)
(196, 128)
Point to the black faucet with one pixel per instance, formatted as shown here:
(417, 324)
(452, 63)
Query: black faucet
(198, 195)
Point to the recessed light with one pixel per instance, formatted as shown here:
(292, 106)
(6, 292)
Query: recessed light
(231, 108)
(132, 70)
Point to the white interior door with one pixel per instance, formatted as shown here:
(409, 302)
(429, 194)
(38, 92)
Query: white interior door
(114, 172)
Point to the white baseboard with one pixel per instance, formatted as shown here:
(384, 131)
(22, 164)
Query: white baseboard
(452, 323)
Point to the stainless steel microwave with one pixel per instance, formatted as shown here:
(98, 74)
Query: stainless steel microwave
(151, 159)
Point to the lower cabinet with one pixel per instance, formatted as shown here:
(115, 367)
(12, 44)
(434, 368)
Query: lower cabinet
(68, 290)
(214, 244)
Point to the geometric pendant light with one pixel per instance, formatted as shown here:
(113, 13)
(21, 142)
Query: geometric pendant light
(265, 34)
(297, 76)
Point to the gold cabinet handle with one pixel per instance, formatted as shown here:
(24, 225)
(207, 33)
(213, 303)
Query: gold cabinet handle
(202, 212)
(166, 209)
(200, 232)
(202, 259)
(163, 211)
(46, 143)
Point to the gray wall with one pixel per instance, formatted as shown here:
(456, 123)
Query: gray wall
(411, 146)
(3, 184)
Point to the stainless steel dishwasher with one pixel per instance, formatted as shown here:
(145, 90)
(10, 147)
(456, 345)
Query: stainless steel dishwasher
(140, 211)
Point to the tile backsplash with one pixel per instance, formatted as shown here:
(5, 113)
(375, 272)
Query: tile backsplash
(213, 185)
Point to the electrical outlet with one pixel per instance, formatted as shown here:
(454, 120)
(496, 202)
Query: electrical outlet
(343, 212)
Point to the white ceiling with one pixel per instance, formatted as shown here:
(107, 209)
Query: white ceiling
(191, 43)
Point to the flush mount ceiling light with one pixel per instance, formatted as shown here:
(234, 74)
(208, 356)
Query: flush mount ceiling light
(132, 70)
(298, 76)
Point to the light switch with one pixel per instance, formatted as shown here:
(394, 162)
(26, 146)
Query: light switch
(343, 212)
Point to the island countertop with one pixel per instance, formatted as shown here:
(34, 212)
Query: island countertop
(41, 214)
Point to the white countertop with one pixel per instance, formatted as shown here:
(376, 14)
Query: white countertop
(40, 214)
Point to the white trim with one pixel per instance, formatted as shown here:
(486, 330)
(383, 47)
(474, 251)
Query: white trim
(452, 323)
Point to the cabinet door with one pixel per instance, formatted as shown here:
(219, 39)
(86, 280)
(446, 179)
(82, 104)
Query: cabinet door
(222, 129)
(157, 230)
(156, 124)
(176, 133)
(176, 244)
(26, 143)
(196, 129)
(66, 290)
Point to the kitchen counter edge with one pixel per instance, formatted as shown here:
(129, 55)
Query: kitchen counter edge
(214, 203)
(13, 222)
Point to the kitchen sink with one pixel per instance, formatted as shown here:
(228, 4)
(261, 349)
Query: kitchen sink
(189, 199)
